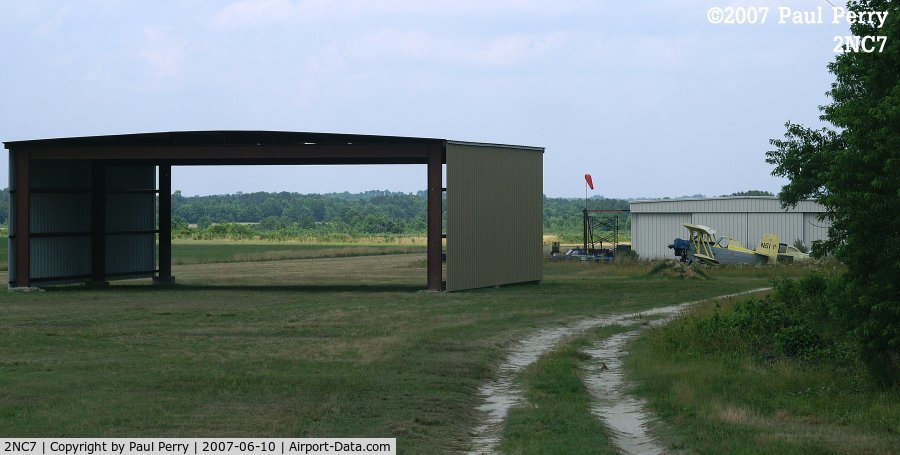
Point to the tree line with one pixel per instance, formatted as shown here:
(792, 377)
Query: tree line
(367, 213)
(851, 167)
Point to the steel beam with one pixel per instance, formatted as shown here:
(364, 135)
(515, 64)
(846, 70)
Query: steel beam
(165, 224)
(435, 215)
(244, 154)
(22, 163)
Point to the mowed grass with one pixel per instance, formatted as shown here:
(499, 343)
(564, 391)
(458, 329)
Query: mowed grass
(306, 347)
(731, 403)
(215, 251)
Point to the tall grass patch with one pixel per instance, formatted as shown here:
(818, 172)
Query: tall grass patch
(772, 375)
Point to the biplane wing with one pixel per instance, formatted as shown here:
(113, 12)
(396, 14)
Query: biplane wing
(702, 238)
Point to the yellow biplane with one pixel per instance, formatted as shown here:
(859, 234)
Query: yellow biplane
(705, 246)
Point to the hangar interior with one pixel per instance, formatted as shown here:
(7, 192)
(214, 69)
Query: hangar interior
(655, 223)
(84, 209)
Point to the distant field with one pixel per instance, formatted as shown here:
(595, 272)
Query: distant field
(335, 346)
(213, 251)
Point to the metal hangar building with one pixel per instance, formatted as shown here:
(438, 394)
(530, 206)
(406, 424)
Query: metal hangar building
(85, 209)
(655, 223)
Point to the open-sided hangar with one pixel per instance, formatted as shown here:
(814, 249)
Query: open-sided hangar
(655, 223)
(84, 209)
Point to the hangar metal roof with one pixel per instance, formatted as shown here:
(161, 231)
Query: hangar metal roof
(242, 147)
(221, 137)
(236, 147)
(728, 204)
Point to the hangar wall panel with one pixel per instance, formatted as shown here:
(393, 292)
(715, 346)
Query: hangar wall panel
(60, 259)
(130, 221)
(60, 174)
(787, 226)
(60, 212)
(494, 215)
(656, 223)
(649, 232)
(733, 225)
(60, 221)
(814, 229)
(130, 256)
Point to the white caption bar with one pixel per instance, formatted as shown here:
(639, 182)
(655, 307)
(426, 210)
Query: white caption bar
(197, 446)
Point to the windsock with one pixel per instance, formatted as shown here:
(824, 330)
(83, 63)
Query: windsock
(589, 180)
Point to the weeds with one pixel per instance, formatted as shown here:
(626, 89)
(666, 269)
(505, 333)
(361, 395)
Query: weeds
(772, 375)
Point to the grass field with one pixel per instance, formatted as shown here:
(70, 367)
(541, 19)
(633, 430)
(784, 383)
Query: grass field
(733, 403)
(335, 346)
(216, 251)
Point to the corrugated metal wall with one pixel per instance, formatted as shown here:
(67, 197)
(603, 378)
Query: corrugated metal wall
(494, 215)
(814, 229)
(788, 226)
(732, 225)
(130, 221)
(654, 224)
(648, 228)
(61, 222)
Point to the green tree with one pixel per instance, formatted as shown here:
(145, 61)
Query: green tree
(204, 222)
(853, 170)
(750, 193)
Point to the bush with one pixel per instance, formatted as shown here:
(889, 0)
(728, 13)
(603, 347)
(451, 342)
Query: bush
(797, 321)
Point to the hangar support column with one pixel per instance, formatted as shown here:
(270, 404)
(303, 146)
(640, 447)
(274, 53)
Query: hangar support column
(22, 241)
(435, 215)
(165, 224)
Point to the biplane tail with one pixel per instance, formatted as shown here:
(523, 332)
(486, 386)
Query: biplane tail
(768, 247)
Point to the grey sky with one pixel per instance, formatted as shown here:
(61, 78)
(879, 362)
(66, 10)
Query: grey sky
(648, 96)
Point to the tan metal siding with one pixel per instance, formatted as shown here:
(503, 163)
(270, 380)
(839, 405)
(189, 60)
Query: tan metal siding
(494, 215)
(651, 233)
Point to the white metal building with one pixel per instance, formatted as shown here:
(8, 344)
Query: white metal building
(655, 223)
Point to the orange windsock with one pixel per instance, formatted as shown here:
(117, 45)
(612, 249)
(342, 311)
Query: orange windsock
(589, 180)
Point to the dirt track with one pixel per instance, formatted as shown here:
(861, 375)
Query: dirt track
(623, 415)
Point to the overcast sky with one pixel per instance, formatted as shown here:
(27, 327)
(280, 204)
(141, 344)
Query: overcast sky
(648, 96)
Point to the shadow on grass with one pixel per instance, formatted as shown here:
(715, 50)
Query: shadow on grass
(239, 287)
